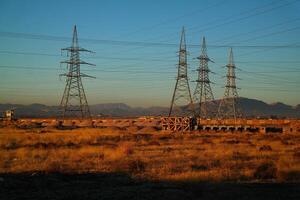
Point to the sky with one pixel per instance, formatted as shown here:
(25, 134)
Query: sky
(136, 44)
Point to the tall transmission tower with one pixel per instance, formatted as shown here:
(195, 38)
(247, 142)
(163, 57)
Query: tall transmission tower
(74, 102)
(228, 107)
(203, 94)
(182, 103)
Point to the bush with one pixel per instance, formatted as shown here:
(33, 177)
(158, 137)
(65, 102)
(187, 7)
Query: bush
(266, 171)
(136, 166)
(54, 167)
(154, 143)
(297, 154)
(128, 150)
(265, 148)
(12, 145)
(199, 167)
(236, 155)
(215, 163)
(232, 141)
(291, 175)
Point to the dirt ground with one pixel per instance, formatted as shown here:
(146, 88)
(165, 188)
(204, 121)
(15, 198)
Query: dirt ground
(146, 163)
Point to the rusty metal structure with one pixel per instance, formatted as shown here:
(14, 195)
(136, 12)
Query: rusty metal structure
(178, 123)
(229, 106)
(182, 103)
(74, 102)
(203, 94)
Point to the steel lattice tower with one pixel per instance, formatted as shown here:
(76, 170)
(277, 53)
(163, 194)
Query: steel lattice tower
(203, 94)
(182, 103)
(74, 102)
(228, 107)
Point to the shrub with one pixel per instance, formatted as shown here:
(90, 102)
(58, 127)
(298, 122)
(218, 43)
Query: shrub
(287, 142)
(290, 175)
(154, 143)
(168, 149)
(265, 148)
(236, 155)
(215, 163)
(12, 145)
(199, 167)
(136, 166)
(231, 141)
(266, 170)
(207, 141)
(128, 150)
(54, 167)
(297, 154)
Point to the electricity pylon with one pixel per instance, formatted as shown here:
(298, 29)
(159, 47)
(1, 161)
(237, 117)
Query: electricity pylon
(182, 103)
(74, 102)
(203, 94)
(228, 107)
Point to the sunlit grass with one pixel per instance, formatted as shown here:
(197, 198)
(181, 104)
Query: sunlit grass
(152, 154)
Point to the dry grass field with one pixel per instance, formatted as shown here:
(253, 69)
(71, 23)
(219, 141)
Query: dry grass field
(142, 160)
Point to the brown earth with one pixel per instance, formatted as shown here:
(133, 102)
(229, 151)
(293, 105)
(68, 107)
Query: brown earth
(145, 163)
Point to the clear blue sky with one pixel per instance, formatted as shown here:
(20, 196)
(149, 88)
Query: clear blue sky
(265, 35)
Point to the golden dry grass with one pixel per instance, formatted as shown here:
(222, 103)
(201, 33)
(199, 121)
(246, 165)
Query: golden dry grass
(151, 154)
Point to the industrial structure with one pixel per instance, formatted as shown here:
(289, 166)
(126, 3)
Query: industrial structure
(9, 115)
(182, 102)
(261, 126)
(74, 102)
(203, 95)
(182, 115)
(228, 108)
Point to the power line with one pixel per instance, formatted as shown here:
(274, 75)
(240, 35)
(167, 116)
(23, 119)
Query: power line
(132, 43)
(257, 30)
(270, 78)
(248, 16)
(176, 18)
(93, 57)
(97, 70)
(132, 58)
(261, 73)
(262, 50)
(210, 25)
(269, 34)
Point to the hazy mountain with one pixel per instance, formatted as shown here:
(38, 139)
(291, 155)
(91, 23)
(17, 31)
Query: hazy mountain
(256, 108)
(250, 108)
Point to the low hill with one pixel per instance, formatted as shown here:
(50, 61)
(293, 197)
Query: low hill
(250, 108)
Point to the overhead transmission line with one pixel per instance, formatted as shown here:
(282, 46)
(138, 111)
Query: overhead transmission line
(97, 70)
(175, 19)
(266, 35)
(269, 77)
(131, 43)
(248, 16)
(239, 19)
(130, 58)
(232, 18)
(235, 36)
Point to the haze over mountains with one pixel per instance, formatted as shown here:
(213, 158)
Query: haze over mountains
(250, 108)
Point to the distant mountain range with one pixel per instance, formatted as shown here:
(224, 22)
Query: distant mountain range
(250, 108)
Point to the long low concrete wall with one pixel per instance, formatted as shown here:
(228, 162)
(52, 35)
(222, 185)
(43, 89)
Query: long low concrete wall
(241, 125)
(252, 125)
